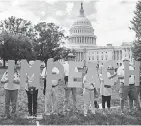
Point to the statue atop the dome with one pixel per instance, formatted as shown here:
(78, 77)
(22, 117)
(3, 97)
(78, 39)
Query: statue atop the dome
(81, 5)
(81, 10)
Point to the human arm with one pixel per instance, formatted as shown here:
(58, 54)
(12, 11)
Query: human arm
(4, 78)
(16, 78)
(120, 73)
(43, 74)
(112, 76)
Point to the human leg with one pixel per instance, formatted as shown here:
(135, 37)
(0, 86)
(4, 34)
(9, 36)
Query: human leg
(7, 103)
(133, 96)
(86, 98)
(103, 103)
(29, 98)
(92, 99)
(66, 100)
(109, 103)
(54, 100)
(124, 92)
(74, 97)
(14, 96)
(35, 95)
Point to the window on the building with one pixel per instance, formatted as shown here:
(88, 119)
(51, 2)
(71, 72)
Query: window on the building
(106, 57)
(89, 58)
(101, 57)
(93, 58)
(97, 57)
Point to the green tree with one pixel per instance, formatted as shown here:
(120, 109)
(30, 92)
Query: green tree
(49, 41)
(15, 46)
(136, 27)
(18, 32)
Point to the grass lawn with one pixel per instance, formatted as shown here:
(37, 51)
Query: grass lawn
(71, 118)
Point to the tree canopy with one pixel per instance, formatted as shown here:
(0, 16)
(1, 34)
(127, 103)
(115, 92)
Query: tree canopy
(136, 27)
(20, 39)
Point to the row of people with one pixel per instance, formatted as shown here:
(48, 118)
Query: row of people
(88, 92)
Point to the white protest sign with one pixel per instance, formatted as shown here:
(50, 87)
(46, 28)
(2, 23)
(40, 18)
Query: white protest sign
(128, 73)
(75, 78)
(10, 73)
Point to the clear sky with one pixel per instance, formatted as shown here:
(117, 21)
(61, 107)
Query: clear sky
(110, 18)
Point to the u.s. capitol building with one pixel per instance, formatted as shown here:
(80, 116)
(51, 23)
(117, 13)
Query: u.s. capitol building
(83, 40)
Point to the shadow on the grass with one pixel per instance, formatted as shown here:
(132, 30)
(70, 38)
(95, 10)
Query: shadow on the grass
(97, 119)
(78, 119)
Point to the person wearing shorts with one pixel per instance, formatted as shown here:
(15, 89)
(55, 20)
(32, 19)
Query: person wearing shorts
(106, 91)
(126, 91)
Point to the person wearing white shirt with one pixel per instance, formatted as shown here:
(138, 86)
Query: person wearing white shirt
(68, 89)
(126, 91)
(106, 91)
(88, 94)
(11, 93)
(51, 94)
(32, 94)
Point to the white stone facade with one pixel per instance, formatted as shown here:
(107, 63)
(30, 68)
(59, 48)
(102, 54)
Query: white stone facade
(83, 40)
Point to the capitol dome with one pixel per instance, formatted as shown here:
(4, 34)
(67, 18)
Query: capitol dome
(82, 32)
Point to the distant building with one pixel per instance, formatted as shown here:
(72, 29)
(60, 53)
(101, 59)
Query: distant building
(83, 40)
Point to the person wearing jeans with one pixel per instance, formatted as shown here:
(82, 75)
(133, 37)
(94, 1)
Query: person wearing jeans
(32, 94)
(32, 101)
(11, 94)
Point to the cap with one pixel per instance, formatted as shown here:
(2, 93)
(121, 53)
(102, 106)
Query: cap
(31, 62)
(71, 55)
(125, 59)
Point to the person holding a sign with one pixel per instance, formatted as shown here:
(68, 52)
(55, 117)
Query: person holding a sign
(88, 93)
(106, 91)
(126, 91)
(70, 57)
(11, 92)
(32, 94)
(51, 94)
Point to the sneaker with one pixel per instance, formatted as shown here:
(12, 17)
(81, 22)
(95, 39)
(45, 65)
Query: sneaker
(47, 114)
(93, 112)
(29, 116)
(130, 111)
(104, 112)
(35, 115)
(122, 113)
(85, 115)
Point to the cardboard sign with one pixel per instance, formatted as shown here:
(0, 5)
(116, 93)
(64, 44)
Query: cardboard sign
(73, 74)
(50, 75)
(75, 78)
(128, 73)
(10, 73)
(26, 69)
(93, 75)
(104, 72)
